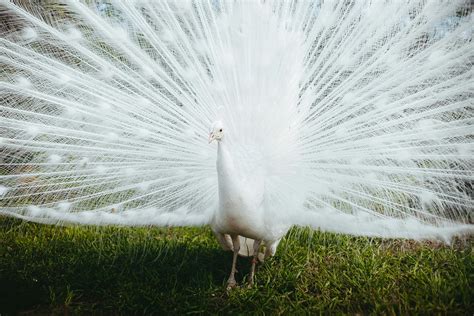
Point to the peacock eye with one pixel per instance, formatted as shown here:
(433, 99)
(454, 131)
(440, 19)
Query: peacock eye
(220, 130)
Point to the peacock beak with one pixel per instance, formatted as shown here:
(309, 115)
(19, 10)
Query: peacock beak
(211, 137)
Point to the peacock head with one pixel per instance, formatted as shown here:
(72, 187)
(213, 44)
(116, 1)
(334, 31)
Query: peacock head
(217, 131)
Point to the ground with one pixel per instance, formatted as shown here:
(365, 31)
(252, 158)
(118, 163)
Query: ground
(112, 270)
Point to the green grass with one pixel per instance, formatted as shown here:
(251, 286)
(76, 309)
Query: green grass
(79, 270)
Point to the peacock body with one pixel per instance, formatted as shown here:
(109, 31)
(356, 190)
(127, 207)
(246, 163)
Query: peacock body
(349, 116)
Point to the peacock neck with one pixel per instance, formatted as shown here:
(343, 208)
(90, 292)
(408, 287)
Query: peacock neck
(226, 174)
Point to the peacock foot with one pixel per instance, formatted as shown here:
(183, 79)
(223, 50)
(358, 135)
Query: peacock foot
(250, 283)
(231, 284)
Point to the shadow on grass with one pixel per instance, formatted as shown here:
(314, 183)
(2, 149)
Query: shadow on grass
(109, 269)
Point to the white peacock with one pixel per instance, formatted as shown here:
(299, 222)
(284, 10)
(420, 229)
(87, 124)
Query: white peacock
(352, 117)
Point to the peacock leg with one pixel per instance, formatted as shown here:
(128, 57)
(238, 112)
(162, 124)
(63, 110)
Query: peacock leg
(236, 244)
(256, 247)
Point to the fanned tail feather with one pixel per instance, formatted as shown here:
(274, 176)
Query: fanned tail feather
(357, 116)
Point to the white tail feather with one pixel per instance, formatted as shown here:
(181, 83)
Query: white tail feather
(356, 115)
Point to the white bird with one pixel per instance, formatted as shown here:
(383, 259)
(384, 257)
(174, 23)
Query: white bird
(241, 215)
(346, 116)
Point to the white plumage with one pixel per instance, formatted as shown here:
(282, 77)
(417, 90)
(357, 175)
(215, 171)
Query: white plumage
(354, 117)
(241, 222)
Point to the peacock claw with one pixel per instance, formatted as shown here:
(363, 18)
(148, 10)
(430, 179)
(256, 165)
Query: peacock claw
(231, 284)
